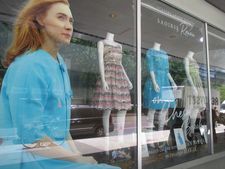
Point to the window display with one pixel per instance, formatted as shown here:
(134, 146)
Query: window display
(193, 95)
(174, 76)
(158, 93)
(216, 58)
(82, 104)
(80, 63)
(103, 64)
(112, 89)
(36, 94)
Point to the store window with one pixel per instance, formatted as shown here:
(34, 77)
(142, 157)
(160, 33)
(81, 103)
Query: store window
(5, 36)
(174, 87)
(101, 63)
(216, 58)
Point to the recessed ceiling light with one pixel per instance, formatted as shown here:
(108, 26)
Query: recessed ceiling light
(201, 39)
(113, 15)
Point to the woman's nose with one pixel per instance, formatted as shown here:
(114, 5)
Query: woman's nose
(69, 25)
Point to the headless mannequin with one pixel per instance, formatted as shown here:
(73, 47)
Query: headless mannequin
(121, 114)
(191, 112)
(163, 112)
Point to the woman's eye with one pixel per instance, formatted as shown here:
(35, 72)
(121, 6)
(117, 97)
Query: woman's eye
(71, 21)
(61, 17)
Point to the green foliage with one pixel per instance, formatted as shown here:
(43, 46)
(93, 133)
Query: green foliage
(83, 42)
(86, 61)
(221, 89)
(177, 71)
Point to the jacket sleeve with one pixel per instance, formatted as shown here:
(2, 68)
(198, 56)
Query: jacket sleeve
(27, 100)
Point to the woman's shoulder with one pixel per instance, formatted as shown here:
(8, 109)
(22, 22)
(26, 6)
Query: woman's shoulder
(32, 61)
(35, 58)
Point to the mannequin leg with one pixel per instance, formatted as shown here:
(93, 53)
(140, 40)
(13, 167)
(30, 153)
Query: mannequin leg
(121, 116)
(150, 126)
(120, 123)
(185, 119)
(162, 119)
(106, 115)
(150, 119)
(193, 117)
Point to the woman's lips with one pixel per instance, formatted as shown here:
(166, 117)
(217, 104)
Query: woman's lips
(67, 35)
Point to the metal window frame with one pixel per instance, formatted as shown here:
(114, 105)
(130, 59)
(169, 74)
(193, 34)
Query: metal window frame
(139, 91)
(139, 124)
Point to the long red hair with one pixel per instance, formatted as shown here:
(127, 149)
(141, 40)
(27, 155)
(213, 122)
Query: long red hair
(26, 32)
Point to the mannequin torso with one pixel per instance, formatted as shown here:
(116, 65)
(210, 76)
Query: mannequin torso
(156, 46)
(193, 91)
(190, 55)
(110, 66)
(109, 40)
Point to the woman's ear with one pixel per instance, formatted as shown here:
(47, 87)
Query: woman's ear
(40, 21)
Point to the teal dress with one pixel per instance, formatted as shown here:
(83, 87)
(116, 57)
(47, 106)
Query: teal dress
(157, 62)
(35, 102)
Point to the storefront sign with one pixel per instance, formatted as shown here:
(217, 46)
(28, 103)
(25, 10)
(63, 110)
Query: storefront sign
(182, 28)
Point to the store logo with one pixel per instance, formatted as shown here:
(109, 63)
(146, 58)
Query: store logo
(185, 30)
(182, 28)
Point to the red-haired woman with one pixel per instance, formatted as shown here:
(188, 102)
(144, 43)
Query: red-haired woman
(36, 94)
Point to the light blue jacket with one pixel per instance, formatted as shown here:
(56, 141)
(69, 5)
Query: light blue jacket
(35, 102)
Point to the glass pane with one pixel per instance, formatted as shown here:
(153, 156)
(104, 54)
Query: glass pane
(101, 64)
(174, 123)
(217, 70)
(5, 36)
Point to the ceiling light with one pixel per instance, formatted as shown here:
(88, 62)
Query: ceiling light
(201, 39)
(112, 15)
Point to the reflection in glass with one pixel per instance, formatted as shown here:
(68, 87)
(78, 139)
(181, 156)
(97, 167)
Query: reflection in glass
(158, 94)
(174, 122)
(92, 22)
(193, 95)
(217, 69)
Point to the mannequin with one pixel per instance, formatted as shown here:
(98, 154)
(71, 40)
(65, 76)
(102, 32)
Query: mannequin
(193, 94)
(158, 94)
(112, 91)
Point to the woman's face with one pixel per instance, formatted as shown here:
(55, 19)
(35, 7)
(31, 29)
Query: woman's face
(58, 24)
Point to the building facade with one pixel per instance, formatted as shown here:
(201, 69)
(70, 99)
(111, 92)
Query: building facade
(172, 58)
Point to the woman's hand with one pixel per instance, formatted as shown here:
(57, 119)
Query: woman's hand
(174, 86)
(47, 148)
(130, 85)
(105, 86)
(156, 87)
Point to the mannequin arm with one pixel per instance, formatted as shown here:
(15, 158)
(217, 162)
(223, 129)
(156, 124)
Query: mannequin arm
(172, 81)
(101, 65)
(187, 71)
(128, 80)
(155, 85)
